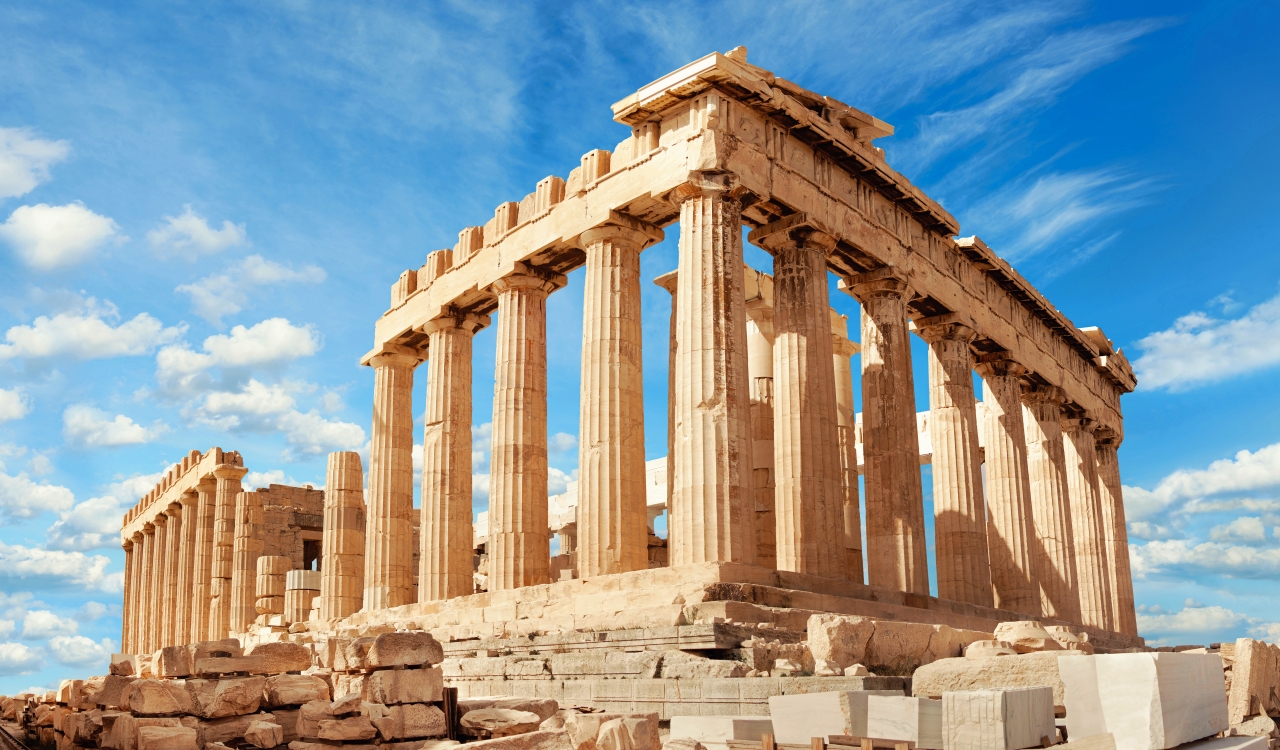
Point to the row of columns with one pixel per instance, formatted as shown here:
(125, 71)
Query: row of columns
(1011, 546)
(177, 586)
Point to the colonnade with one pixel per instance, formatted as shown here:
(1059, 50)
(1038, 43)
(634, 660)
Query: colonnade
(1043, 535)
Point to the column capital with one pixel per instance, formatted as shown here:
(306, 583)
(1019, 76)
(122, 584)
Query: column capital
(797, 230)
(467, 322)
(230, 471)
(888, 281)
(724, 184)
(190, 497)
(127, 545)
(1107, 437)
(620, 226)
(946, 327)
(137, 537)
(1043, 394)
(532, 279)
(393, 356)
(148, 528)
(161, 519)
(843, 347)
(173, 510)
(999, 365)
(668, 281)
(1081, 422)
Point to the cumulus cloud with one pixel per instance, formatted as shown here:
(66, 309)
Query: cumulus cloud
(271, 343)
(1191, 559)
(227, 292)
(189, 235)
(79, 651)
(562, 442)
(1191, 489)
(89, 331)
(20, 497)
(133, 487)
(258, 479)
(1243, 530)
(259, 407)
(90, 427)
(25, 160)
(92, 524)
(40, 624)
(47, 237)
(14, 404)
(1193, 618)
(312, 434)
(43, 569)
(1199, 348)
(17, 658)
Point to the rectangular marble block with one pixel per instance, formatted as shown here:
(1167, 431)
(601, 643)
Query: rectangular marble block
(1007, 719)
(917, 720)
(797, 719)
(1228, 743)
(714, 732)
(1148, 701)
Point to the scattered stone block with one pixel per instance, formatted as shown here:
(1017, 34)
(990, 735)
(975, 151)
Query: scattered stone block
(173, 661)
(395, 686)
(124, 665)
(281, 657)
(157, 698)
(1026, 637)
(1255, 680)
(229, 728)
(548, 740)
(264, 734)
(682, 665)
(1257, 726)
(411, 721)
(1228, 743)
(545, 708)
(225, 648)
(857, 670)
(404, 649)
(839, 639)
(897, 717)
(799, 718)
(220, 665)
(109, 695)
(714, 732)
(167, 738)
(1023, 670)
(989, 649)
(1009, 719)
(350, 728)
(295, 690)
(310, 716)
(498, 722)
(214, 699)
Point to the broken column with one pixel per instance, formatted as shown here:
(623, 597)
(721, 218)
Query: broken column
(1052, 548)
(843, 349)
(896, 547)
(228, 478)
(248, 546)
(612, 521)
(300, 588)
(1115, 531)
(270, 584)
(342, 563)
(1086, 523)
(388, 580)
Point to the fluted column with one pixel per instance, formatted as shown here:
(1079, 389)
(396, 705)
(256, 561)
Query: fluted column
(343, 543)
(808, 494)
(1010, 528)
(612, 521)
(1086, 523)
(247, 548)
(228, 478)
(202, 560)
(388, 541)
(843, 349)
(126, 613)
(169, 601)
(137, 575)
(1053, 549)
(186, 563)
(160, 568)
(1117, 536)
(446, 568)
(959, 511)
(519, 544)
(760, 376)
(896, 547)
(711, 511)
(146, 592)
(669, 281)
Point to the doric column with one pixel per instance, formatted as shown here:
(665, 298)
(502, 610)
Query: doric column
(1011, 535)
(146, 595)
(388, 541)
(896, 551)
(126, 614)
(446, 568)
(1117, 536)
(137, 576)
(842, 349)
(519, 539)
(159, 567)
(712, 509)
(669, 282)
(1086, 522)
(246, 550)
(808, 494)
(343, 544)
(959, 512)
(202, 560)
(760, 376)
(186, 565)
(612, 521)
(169, 602)
(1052, 550)
(228, 478)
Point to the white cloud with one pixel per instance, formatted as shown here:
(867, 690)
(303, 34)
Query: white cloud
(1243, 530)
(87, 332)
(40, 624)
(558, 481)
(16, 658)
(190, 235)
(133, 487)
(42, 569)
(25, 160)
(47, 237)
(270, 343)
(93, 428)
(313, 434)
(14, 404)
(1191, 559)
(93, 524)
(1199, 348)
(257, 479)
(227, 292)
(1245, 472)
(258, 407)
(562, 442)
(1193, 618)
(91, 610)
(225, 408)
(78, 651)
(22, 498)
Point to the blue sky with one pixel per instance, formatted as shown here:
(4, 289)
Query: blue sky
(202, 211)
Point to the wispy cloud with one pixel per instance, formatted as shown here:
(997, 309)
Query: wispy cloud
(189, 235)
(25, 160)
(227, 292)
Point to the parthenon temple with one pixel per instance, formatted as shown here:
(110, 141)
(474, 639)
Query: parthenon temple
(781, 499)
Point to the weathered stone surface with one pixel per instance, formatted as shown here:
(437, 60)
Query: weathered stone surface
(109, 695)
(404, 648)
(217, 665)
(897, 717)
(1026, 636)
(839, 639)
(714, 731)
(167, 738)
(124, 665)
(1023, 670)
(549, 740)
(214, 699)
(1258, 726)
(685, 666)
(1255, 680)
(295, 689)
(411, 720)
(281, 657)
(799, 718)
(350, 728)
(229, 728)
(898, 648)
(157, 698)
(120, 730)
(310, 716)
(498, 722)
(172, 661)
(997, 719)
(264, 734)
(352, 654)
(224, 648)
(392, 686)
(988, 649)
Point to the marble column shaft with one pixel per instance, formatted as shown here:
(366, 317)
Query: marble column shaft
(519, 538)
(127, 608)
(159, 564)
(1053, 548)
(959, 509)
(712, 508)
(669, 281)
(896, 546)
(613, 532)
(1117, 536)
(247, 548)
(1011, 534)
(1086, 523)
(146, 593)
(388, 550)
(446, 567)
(343, 543)
(169, 603)
(202, 560)
(843, 349)
(186, 569)
(228, 478)
(808, 494)
(760, 376)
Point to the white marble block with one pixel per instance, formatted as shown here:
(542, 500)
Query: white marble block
(1008, 719)
(917, 720)
(1229, 743)
(1148, 701)
(715, 731)
(797, 719)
